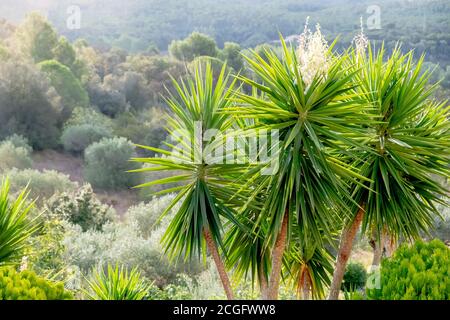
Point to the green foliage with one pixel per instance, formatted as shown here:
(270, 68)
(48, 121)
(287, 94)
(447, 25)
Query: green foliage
(28, 105)
(146, 216)
(117, 284)
(13, 157)
(37, 37)
(107, 163)
(66, 55)
(77, 138)
(15, 225)
(42, 185)
(418, 272)
(144, 128)
(126, 244)
(66, 84)
(80, 207)
(47, 250)
(196, 45)
(354, 278)
(231, 54)
(409, 144)
(19, 141)
(203, 188)
(26, 285)
(88, 116)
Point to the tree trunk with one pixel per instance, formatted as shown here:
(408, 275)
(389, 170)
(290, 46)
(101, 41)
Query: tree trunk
(345, 248)
(210, 243)
(277, 259)
(305, 284)
(263, 286)
(377, 252)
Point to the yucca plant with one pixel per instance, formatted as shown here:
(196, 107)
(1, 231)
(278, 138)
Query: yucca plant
(117, 283)
(204, 185)
(317, 115)
(16, 227)
(409, 147)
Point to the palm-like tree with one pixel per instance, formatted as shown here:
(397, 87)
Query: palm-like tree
(316, 123)
(409, 144)
(204, 186)
(16, 227)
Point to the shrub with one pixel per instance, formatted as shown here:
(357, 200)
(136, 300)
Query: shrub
(77, 138)
(145, 216)
(15, 227)
(355, 277)
(26, 285)
(81, 207)
(117, 284)
(43, 185)
(122, 243)
(81, 116)
(418, 272)
(107, 163)
(20, 142)
(14, 157)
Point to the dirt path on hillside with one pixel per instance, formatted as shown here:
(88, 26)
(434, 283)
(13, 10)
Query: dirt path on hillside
(73, 166)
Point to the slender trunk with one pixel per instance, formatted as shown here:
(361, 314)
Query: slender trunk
(211, 244)
(389, 245)
(377, 253)
(345, 248)
(305, 284)
(263, 286)
(277, 260)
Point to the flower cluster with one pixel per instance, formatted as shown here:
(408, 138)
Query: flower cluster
(313, 58)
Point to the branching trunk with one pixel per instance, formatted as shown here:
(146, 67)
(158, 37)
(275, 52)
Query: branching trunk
(345, 248)
(277, 259)
(212, 247)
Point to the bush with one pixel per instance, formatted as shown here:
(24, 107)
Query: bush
(355, 277)
(107, 163)
(145, 216)
(418, 272)
(121, 243)
(81, 207)
(20, 142)
(14, 157)
(77, 138)
(43, 185)
(26, 285)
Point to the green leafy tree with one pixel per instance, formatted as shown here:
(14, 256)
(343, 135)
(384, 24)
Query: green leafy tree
(28, 105)
(204, 187)
(408, 146)
(37, 38)
(66, 84)
(316, 119)
(196, 45)
(231, 53)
